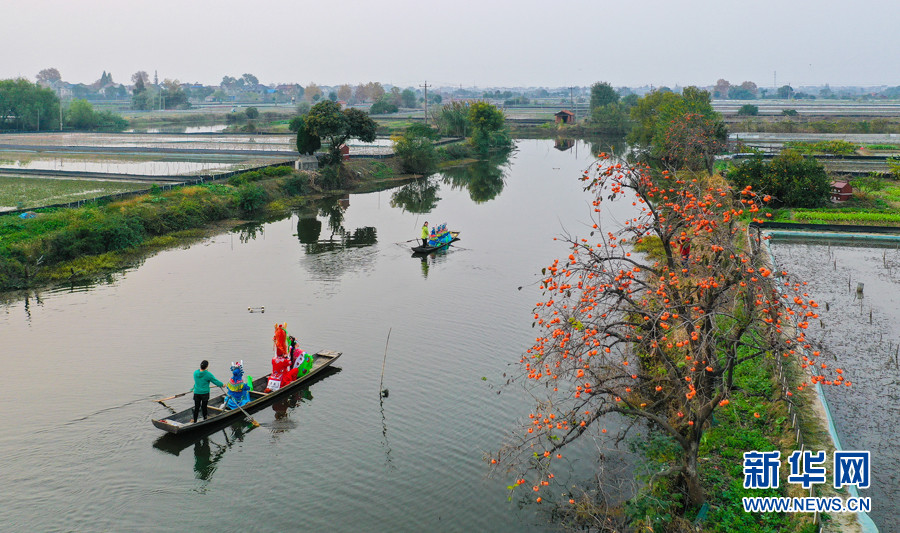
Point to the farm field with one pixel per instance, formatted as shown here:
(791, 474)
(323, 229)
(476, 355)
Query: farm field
(26, 192)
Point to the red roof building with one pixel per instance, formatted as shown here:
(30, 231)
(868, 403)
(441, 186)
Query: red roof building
(565, 117)
(841, 191)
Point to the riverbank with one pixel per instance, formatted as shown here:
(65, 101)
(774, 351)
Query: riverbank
(771, 407)
(77, 244)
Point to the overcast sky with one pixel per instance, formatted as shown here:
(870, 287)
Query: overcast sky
(486, 43)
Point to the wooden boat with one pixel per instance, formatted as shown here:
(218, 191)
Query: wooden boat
(180, 423)
(424, 250)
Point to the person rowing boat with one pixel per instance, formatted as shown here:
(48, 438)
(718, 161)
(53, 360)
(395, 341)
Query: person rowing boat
(202, 379)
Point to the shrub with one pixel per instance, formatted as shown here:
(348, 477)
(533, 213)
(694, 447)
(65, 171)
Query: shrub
(252, 112)
(790, 112)
(251, 197)
(416, 152)
(297, 185)
(792, 179)
(455, 151)
(748, 110)
(383, 107)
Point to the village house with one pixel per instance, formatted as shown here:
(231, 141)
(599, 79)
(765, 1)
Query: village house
(565, 117)
(841, 191)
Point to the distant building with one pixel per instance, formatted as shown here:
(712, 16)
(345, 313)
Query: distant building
(307, 162)
(565, 117)
(841, 191)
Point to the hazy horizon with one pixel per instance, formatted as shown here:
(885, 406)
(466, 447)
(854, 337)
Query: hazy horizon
(485, 44)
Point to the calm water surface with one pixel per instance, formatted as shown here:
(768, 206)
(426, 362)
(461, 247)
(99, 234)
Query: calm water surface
(83, 364)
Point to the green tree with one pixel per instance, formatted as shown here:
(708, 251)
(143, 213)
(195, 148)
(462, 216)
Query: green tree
(252, 113)
(383, 106)
(785, 91)
(740, 93)
(307, 143)
(748, 110)
(611, 118)
(26, 105)
(682, 130)
(80, 115)
(790, 178)
(416, 152)
(487, 127)
(174, 96)
(602, 93)
(408, 98)
(326, 120)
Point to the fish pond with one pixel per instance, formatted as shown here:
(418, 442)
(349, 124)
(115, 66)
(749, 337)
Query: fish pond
(85, 363)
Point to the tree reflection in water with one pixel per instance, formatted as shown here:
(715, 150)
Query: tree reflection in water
(418, 197)
(484, 178)
(309, 230)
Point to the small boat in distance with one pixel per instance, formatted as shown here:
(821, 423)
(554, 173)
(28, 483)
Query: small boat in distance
(180, 422)
(419, 251)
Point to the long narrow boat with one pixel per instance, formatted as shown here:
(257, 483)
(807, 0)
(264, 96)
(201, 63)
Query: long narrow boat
(424, 250)
(180, 422)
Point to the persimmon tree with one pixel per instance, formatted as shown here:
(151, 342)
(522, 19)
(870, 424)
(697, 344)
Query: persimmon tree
(653, 338)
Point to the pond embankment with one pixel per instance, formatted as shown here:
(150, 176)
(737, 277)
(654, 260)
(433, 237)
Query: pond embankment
(856, 333)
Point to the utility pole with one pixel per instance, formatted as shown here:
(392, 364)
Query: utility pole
(574, 109)
(426, 101)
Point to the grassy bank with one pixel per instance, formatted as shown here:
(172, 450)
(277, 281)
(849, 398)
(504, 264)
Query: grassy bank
(86, 242)
(759, 416)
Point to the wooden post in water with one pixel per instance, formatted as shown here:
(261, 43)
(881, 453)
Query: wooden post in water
(382, 392)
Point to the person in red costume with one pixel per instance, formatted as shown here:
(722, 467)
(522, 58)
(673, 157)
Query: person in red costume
(280, 339)
(280, 365)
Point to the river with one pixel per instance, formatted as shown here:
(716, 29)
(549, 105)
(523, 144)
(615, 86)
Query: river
(84, 363)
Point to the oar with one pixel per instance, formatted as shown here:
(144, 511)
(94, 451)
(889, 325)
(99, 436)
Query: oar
(173, 397)
(252, 421)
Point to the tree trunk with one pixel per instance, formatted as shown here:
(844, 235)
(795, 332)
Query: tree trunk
(695, 493)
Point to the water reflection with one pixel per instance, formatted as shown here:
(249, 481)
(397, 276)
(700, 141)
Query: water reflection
(609, 144)
(206, 461)
(282, 407)
(309, 229)
(208, 449)
(419, 196)
(484, 179)
(562, 144)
